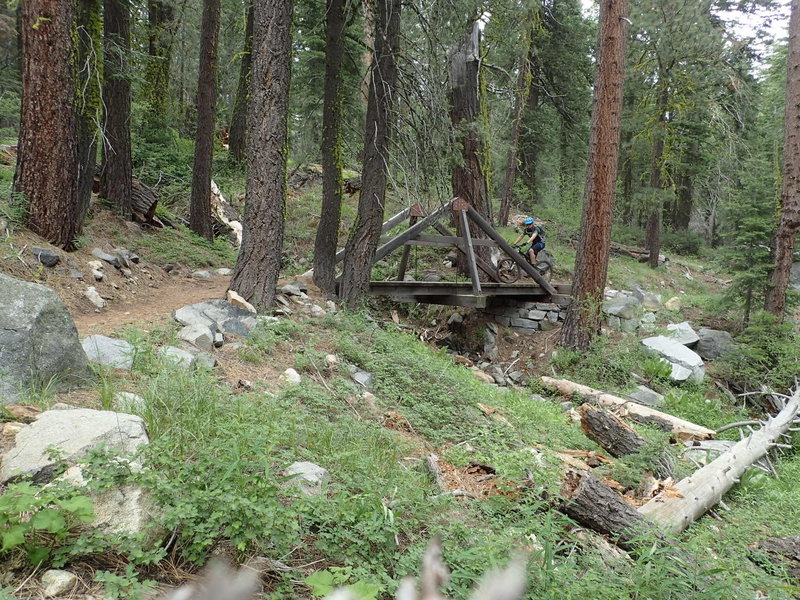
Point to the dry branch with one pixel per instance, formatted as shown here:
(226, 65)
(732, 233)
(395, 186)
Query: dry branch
(705, 487)
(681, 429)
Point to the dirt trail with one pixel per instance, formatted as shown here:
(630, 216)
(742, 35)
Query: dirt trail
(151, 305)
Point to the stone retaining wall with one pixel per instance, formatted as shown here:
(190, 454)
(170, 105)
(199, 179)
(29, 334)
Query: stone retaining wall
(527, 317)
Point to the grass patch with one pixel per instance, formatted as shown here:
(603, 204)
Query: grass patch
(183, 246)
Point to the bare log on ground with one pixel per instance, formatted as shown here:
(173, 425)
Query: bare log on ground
(681, 429)
(640, 254)
(144, 201)
(616, 437)
(693, 496)
(227, 219)
(432, 463)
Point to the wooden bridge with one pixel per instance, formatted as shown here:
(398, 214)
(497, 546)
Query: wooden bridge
(474, 293)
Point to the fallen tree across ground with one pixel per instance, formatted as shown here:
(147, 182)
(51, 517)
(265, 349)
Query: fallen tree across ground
(681, 429)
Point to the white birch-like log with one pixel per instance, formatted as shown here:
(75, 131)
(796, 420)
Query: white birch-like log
(681, 429)
(693, 496)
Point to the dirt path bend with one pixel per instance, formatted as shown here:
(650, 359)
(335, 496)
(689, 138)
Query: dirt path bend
(151, 305)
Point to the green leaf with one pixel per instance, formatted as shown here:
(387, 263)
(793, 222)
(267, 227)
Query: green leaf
(13, 537)
(49, 520)
(364, 590)
(38, 555)
(321, 583)
(80, 506)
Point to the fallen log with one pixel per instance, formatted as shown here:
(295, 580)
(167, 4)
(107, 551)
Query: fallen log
(616, 438)
(681, 429)
(639, 254)
(694, 495)
(226, 218)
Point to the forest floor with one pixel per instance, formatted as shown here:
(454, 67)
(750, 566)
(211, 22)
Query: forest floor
(228, 431)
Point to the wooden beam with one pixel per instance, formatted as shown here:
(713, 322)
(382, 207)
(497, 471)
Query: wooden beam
(390, 224)
(401, 271)
(482, 264)
(409, 233)
(442, 240)
(515, 256)
(473, 268)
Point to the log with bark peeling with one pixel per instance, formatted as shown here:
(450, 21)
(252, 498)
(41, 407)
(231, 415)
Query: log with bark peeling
(681, 429)
(693, 496)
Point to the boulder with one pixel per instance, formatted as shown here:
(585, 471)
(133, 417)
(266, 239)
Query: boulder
(111, 352)
(650, 302)
(624, 307)
(57, 582)
(683, 333)
(292, 289)
(105, 256)
(224, 272)
(309, 477)
(38, 341)
(198, 335)
(202, 275)
(713, 343)
(205, 360)
(217, 315)
(46, 256)
(67, 435)
(685, 363)
(177, 357)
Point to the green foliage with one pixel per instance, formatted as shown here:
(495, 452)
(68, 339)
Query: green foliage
(40, 520)
(766, 353)
(324, 582)
(604, 365)
(685, 243)
(125, 586)
(183, 246)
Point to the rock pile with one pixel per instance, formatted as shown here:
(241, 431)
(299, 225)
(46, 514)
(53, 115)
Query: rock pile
(527, 317)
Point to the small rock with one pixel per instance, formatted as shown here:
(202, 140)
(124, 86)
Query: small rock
(614, 323)
(282, 300)
(62, 406)
(713, 343)
(650, 302)
(109, 351)
(126, 272)
(674, 304)
(177, 357)
(291, 289)
(105, 256)
(330, 305)
(536, 315)
(224, 272)
(97, 274)
(219, 339)
(95, 264)
(236, 300)
(363, 379)
(202, 275)
(432, 277)
(648, 318)
(629, 325)
(317, 311)
(198, 335)
(75, 274)
(455, 318)
(624, 307)
(516, 376)
(331, 360)
(57, 582)
(94, 297)
(11, 428)
(485, 377)
(244, 384)
(292, 376)
(309, 477)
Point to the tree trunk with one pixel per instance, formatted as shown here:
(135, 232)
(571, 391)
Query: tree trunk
(363, 239)
(88, 96)
(200, 209)
(117, 170)
(259, 262)
(161, 27)
(237, 140)
(681, 429)
(328, 228)
(789, 224)
(48, 173)
(468, 177)
(582, 321)
(693, 496)
(653, 235)
(513, 143)
(529, 142)
(684, 203)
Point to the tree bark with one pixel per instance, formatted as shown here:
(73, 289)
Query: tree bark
(161, 27)
(582, 321)
(364, 236)
(116, 175)
(48, 173)
(237, 140)
(328, 228)
(786, 234)
(200, 208)
(258, 265)
(681, 429)
(516, 127)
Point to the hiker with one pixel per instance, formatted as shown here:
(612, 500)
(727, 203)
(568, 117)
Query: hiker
(535, 235)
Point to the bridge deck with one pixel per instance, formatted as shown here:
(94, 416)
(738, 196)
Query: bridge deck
(458, 293)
